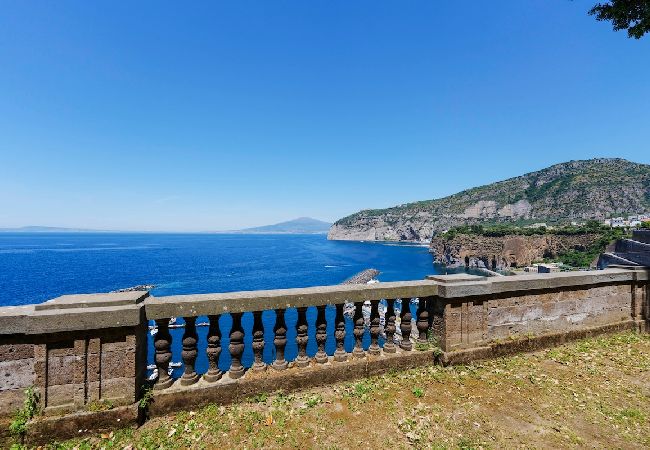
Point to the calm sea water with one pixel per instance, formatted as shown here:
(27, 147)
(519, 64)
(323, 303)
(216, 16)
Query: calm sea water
(36, 267)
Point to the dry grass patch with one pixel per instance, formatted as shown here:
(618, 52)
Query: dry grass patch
(592, 393)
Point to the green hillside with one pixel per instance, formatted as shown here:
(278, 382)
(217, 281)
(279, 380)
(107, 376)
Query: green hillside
(575, 190)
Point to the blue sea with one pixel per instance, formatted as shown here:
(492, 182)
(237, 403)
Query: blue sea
(36, 267)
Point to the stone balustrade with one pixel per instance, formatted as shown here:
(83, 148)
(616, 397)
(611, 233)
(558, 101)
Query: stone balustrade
(87, 355)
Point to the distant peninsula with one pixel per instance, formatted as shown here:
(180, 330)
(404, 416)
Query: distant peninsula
(301, 225)
(39, 229)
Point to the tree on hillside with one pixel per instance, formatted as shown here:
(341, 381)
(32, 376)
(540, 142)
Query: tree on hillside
(630, 15)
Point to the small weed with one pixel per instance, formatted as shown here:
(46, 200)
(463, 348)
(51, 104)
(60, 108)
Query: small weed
(282, 400)
(259, 398)
(100, 405)
(418, 392)
(631, 415)
(466, 444)
(18, 426)
(314, 400)
(360, 390)
(147, 397)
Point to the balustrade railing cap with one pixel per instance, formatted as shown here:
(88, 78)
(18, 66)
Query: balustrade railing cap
(456, 278)
(200, 304)
(93, 300)
(499, 285)
(13, 318)
(75, 313)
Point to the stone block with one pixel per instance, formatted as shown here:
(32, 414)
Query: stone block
(16, 374)
(115, 346)
(118, 388)
(93, 367)
(61, 350)
(16, 351)
(60, 370)
(61, 394)
(453, 326)
(117, 365)
(11, 401)
(476, 323)
(94, 346)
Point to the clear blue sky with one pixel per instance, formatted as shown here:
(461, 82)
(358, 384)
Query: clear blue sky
(184, 116)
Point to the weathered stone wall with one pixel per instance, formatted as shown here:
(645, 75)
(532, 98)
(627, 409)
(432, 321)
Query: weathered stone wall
(17, 372)
(71, 371)
(479, 320)
(558, 311)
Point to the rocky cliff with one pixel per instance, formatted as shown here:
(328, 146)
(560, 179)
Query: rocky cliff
(576, 190)
(503, 252)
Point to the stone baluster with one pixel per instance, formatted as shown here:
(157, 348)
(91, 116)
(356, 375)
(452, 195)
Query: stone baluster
(340, 355)
(389, 327)
(422, 323)
(321, 335)
(359, 329)
(302, 337)
(374, 348)
(280, 341)
(214, 351)
(189, 352)
(258, 342)
(162, 344)
(236, 347)
(405, 325)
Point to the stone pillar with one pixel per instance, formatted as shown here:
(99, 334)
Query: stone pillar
(405, 325)
(280, 341)
(321, 335)
(189, 352)
(422, 323)
(438, 326)
(359, 329)
(162, 344)
(389, 345)
(214, 351)
(258, 342)
(236, 347)
(340, 355)
(374, 348)
(302, 337)
(76, 350)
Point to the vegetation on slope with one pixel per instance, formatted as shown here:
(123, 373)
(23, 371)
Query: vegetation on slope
(575, 190)
(589, 393)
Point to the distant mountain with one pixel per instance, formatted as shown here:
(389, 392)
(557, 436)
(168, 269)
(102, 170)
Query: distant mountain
(302, 225)
(575, 190)
(38, 229)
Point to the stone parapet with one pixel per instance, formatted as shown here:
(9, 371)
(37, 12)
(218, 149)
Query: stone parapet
(89, 352)
(79, 353)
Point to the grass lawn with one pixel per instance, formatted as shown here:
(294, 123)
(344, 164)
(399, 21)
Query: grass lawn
(591, 393)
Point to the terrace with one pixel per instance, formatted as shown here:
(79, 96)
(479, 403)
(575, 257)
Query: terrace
(90, 358)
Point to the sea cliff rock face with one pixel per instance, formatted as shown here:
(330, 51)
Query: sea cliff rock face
(576, 190)
(417, 228)
(501, 253)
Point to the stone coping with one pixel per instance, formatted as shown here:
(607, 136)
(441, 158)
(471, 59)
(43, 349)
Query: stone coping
(205, 304)
(132, 308)
(28, 320)
(500, 285)
(93, 300)
(456, 278)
